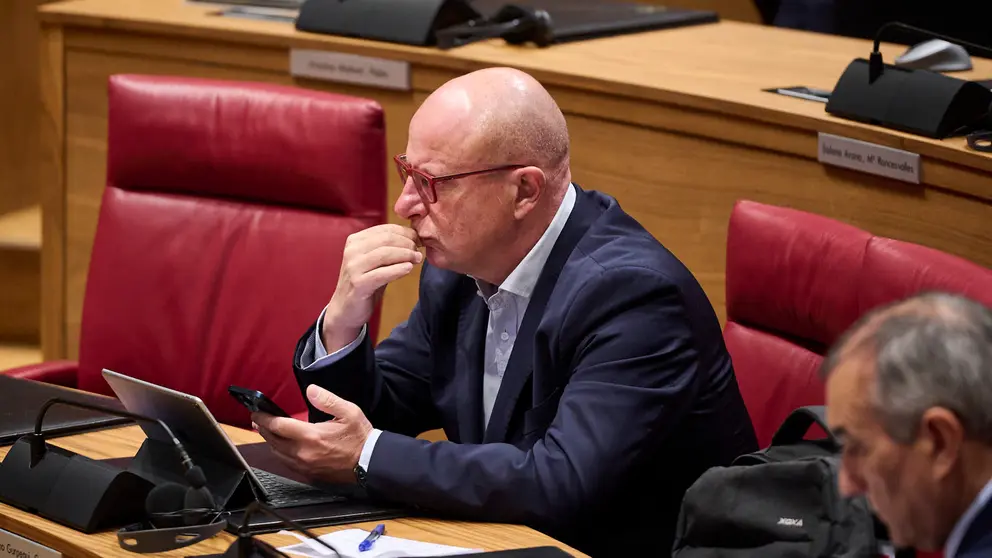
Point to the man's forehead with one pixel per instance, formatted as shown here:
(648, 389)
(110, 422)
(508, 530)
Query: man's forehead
(437, 158)
(849, 388)
(445, 109)
(436, 132)
(437, 152)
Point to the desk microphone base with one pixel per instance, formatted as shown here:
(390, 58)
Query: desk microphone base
(915, 101)
(68, 488)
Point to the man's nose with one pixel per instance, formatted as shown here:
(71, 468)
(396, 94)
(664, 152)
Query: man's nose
(409, 205)
(849, 482)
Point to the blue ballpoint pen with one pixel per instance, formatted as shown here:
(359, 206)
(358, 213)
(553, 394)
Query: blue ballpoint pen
(375, 534)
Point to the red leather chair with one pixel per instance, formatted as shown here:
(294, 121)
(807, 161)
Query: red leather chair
(220, 233)
(796, 281)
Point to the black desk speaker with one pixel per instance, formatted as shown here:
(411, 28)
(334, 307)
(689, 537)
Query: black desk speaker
(916, 101)
(71, 489)
(411, 22)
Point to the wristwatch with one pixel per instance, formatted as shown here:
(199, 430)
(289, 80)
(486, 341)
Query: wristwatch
(360, 475)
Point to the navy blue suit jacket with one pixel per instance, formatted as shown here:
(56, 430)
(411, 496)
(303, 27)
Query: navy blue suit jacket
(618, 394)
(977, 540)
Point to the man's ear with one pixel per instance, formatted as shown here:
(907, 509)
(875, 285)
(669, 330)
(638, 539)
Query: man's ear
(530, 182)
(943, 435)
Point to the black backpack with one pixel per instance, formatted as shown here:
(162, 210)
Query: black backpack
(782, 501)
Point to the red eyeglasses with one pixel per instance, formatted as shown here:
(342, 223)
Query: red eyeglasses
(425, 183)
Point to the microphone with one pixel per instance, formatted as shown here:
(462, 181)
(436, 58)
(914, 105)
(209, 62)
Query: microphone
(247, 546)
(170, 504)
(38, 446)
(920, 102)
(179, 517)
(876, 66)
(515, 24)
(45, 480)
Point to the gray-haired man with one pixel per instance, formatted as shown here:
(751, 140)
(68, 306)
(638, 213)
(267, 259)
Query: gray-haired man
(909, 391)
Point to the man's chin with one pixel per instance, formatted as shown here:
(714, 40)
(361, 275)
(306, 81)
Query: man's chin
(439, 259)
(434, 257)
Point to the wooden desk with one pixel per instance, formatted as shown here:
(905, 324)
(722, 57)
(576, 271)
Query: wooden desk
(674, 124)
(124, 442)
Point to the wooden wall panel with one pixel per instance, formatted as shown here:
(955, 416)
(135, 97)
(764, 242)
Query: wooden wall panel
(682, 189)
(51, 174)
(19, 99)
(20, 303)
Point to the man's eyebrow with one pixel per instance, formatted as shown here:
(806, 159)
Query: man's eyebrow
(430, 167)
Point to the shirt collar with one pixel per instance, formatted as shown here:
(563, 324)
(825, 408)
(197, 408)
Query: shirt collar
(523, 278)
(961, 527)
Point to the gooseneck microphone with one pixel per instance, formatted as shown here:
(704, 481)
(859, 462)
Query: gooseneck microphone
(180, 516)
(876, 66)
(44, 479)
(920, 102)
(38, 447)
(248, 547)
(169, 503)
(515, 24)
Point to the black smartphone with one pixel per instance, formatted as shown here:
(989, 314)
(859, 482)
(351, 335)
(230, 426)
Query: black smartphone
(256, 401)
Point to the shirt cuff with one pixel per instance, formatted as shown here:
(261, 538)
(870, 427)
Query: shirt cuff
(366, 457)
(320, 356)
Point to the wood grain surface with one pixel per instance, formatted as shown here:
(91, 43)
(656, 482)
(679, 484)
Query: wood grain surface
(124, 442)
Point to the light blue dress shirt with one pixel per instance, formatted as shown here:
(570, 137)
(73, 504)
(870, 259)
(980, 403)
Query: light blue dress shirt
(507, 304)
(961, 527)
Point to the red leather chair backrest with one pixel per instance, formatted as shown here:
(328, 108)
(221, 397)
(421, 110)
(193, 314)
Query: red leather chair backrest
(796, 281)
(221, 230)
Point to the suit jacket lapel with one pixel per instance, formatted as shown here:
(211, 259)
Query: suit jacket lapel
(470, 356)
(521, 364)
(978, 537)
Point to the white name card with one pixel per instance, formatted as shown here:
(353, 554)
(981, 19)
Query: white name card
(16, 546)
(350, 68)
(869, 157)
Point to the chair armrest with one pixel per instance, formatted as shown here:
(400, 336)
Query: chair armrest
(59, 372)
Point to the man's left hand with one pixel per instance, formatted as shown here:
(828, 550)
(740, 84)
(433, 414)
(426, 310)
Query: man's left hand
(326, 451)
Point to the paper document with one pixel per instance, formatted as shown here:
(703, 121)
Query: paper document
(347, 542)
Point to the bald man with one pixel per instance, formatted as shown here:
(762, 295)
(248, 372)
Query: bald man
(575, 365)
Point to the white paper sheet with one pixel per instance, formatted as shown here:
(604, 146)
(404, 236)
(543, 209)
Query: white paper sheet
(347, 542)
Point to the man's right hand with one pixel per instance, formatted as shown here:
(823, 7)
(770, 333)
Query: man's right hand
(372, 259)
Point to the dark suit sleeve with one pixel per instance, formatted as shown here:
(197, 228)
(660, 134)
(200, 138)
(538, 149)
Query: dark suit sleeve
(633, 358)
(391, 383)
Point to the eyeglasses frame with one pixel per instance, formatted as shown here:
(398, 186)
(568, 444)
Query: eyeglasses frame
(428, 193)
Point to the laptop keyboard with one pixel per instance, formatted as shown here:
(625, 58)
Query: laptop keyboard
(283, 493)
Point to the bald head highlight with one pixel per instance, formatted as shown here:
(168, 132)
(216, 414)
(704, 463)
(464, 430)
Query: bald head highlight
(504, 117)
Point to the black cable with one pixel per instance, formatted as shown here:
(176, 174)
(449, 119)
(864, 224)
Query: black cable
(40, 448)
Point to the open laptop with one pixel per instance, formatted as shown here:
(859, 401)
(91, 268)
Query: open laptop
(194, 425)
(575, 20)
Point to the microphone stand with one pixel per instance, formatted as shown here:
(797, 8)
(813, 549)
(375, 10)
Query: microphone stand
(920, 102)
(38, 446)
(46, 480)
(876, 65)
(247, 546)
